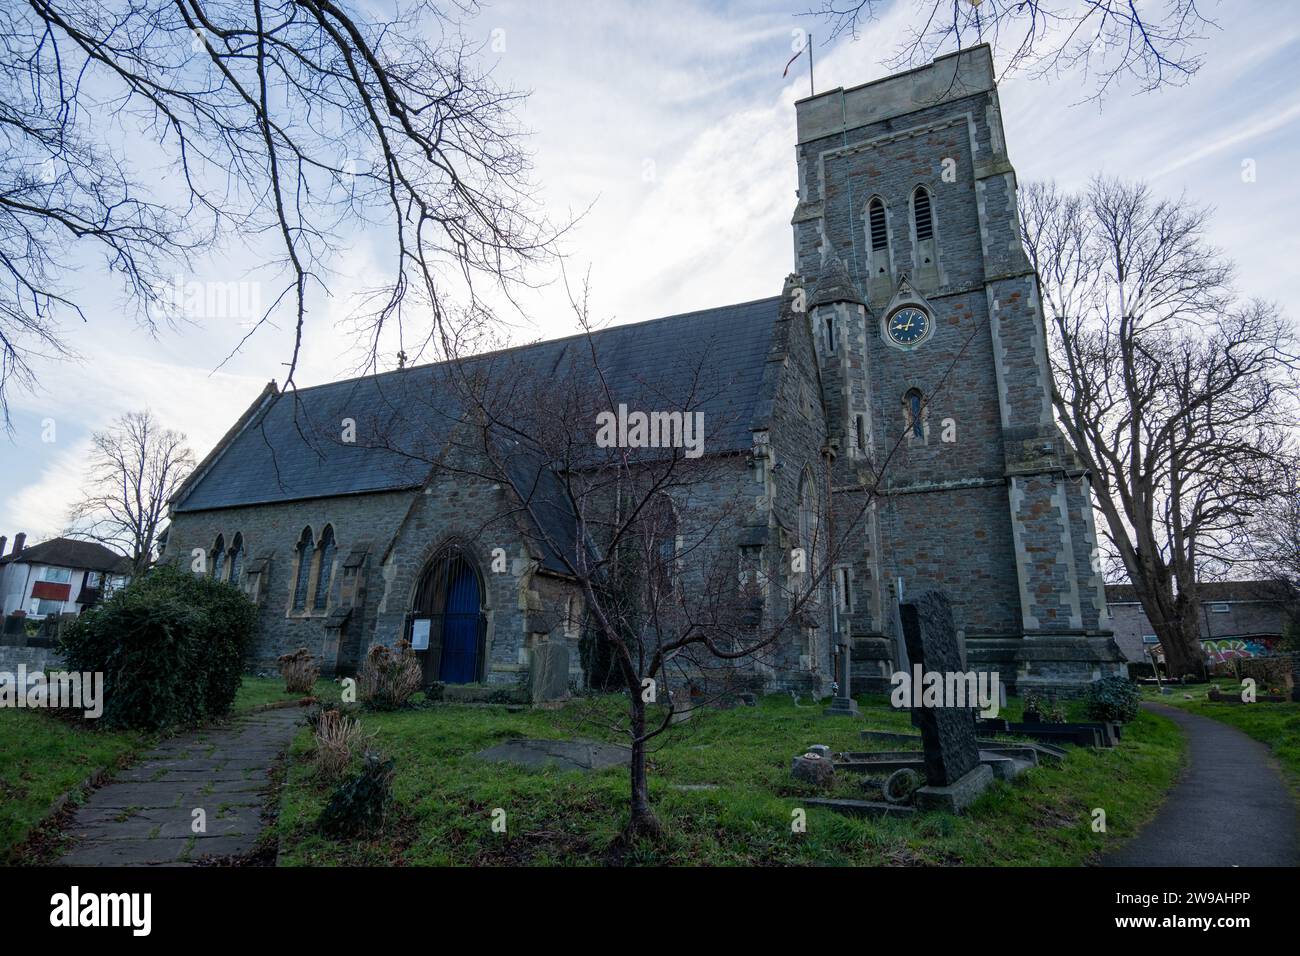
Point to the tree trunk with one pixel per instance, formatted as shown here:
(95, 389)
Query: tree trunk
(642, 822)
(1181, 640)
(1173, 617)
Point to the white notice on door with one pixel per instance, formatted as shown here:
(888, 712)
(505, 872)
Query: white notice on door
(420, 634)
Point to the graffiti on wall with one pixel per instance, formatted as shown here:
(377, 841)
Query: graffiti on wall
(1225, 649)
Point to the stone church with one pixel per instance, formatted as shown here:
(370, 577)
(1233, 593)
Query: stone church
(905, 356)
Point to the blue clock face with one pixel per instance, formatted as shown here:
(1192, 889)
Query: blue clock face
(908, 325)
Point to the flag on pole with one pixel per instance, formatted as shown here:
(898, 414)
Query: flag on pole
(786, 71)
(806, 44)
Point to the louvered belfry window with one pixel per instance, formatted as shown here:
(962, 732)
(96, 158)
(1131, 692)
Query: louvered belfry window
(879, 231)
(924, 217)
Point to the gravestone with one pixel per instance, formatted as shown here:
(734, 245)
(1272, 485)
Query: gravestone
(953, 772)
(548, 676)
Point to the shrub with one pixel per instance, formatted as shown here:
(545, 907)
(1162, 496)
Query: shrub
(170, 646)
(1040, 709)
(1112, 698)
(389, 677)
(337, 739)
(299, 670)
(360, 802)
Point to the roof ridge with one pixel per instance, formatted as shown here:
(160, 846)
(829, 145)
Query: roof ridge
(528, 345)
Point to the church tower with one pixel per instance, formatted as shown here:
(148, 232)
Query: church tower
(949, 467)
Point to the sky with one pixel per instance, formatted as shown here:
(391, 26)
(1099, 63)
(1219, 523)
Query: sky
(670, 127)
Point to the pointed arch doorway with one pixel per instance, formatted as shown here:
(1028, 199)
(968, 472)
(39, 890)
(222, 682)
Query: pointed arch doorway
(447, 612)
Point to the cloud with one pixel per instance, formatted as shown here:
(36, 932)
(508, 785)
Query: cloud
(1255, 128)
(693, 95)
(44, 480)
(41, 508)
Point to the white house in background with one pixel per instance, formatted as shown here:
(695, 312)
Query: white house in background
(59, 576)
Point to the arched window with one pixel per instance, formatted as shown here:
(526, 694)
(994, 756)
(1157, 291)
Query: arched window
(325, 565)
(860, 431)
(236, 558)
(573, 618)
(923, 215)
(914, 404)
(807, 518)
(876, 223)
(218, 558)
(660, 524)
(304, 550)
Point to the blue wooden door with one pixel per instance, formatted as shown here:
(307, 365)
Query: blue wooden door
(460, 627)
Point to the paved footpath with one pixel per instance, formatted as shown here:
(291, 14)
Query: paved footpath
(145, 816)
(1229, 808)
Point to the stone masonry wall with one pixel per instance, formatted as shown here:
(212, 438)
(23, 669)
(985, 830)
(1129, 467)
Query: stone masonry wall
(983, 503)
(794, 430)
(476, 515)
(271, 532)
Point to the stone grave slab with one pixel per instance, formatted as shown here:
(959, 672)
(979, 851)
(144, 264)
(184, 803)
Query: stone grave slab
(859, 808)
(1043, 751)
(558, 754)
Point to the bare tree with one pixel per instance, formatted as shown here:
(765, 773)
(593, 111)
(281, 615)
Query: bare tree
(148, 130)
(1273, 538)
(1178, 397)
(647, 546)
(648, 537)
(1107, 39)
(136, 467)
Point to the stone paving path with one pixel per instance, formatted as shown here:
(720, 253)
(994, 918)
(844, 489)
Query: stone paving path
(145, 816)
(1229, 808)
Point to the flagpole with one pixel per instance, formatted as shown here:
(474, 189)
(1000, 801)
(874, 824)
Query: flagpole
(811, 91)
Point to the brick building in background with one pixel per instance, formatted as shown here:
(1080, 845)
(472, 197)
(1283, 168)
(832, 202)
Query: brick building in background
(1239, 620)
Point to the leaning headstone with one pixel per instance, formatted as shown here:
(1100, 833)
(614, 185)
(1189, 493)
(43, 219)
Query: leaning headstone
(953, 772)
(548, 675)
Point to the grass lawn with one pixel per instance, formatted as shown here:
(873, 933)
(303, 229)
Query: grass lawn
(1277, 725)
(43, 757)
(445, 799)
(257, 692)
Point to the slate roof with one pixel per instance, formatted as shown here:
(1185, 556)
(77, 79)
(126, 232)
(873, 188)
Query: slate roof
(1215, 591)
(71, 553)
(291, 449)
